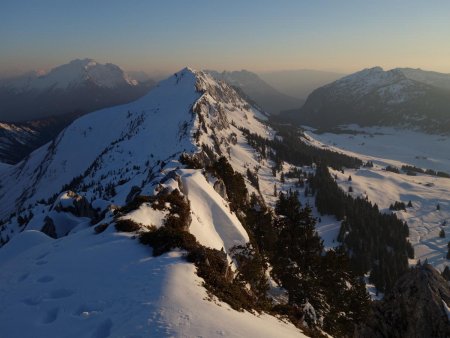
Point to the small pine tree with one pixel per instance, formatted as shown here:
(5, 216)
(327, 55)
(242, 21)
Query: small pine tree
(438, 207)
(350, 189)
(282, 180)
(410, 204)
(350, 178)
(442, 233)
(275, 190)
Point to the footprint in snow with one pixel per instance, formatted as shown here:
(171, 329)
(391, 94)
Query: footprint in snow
(103, 330)
(46, 279)
(42, 256)
(32, 301)
(23, 277)
(43, 262)
(50, 316)
(61, 293)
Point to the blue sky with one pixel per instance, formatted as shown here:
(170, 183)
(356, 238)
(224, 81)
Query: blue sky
(262, 35)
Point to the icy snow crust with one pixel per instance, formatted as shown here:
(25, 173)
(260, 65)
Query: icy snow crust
(109, 285)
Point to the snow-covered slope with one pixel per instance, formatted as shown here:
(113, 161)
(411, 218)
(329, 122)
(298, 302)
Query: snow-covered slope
(17, 140)
(107, 285)
(74, 285)
(435, 79)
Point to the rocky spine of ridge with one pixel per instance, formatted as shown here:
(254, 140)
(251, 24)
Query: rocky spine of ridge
(418, 306)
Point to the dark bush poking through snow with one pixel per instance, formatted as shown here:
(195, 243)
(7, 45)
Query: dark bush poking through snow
(166, 239)
(127, 225)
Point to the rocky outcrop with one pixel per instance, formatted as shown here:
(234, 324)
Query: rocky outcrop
(174, 176)
(416, 307)
(135, 190)
(49, 227)
(75, 204)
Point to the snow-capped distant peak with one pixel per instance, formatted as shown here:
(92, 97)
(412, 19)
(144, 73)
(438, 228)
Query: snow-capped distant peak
(75, 73)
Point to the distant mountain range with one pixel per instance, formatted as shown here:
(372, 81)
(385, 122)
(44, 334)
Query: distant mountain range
(404, 97)
(78, 86)
(299, 83)
(257, 90)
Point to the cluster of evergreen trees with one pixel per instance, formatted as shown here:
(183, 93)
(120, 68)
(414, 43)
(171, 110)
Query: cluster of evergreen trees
(288, 241)
(311, 275)
(413, 169)
(290, 148)
(377, 241)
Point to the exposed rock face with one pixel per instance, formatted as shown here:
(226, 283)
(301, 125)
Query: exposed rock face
(135, 190)
(49, 228)
(79, 207)
(174, 176)
(414, 308)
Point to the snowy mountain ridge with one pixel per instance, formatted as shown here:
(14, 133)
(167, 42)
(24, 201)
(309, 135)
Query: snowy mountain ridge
(123, 129)
(393, 86)
(95, 166)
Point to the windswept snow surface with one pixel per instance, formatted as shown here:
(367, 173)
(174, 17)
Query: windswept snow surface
(212, 223)
(386, 146)
(108, 285)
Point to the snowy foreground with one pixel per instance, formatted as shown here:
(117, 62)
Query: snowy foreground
(108, 285)
(387, 146)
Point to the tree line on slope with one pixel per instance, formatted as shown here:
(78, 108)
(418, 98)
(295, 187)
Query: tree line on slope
(323, 292)
(289, 147)
(376, 241)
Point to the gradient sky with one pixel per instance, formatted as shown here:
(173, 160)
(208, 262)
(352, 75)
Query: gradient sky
(258, 35)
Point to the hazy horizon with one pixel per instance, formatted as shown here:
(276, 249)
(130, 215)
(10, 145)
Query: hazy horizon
(160, 37)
